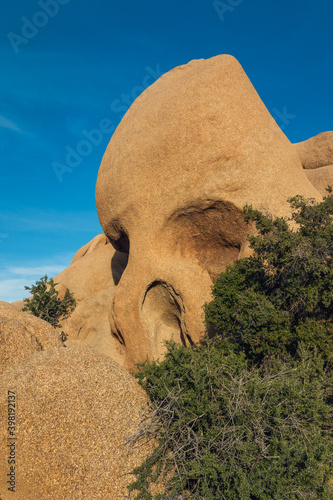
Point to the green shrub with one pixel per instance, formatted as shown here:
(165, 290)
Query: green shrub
(230, 430)
(46, 304)
(283, 294)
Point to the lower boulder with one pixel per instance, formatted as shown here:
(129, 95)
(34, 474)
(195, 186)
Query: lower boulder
(22, 334)
(74, 411)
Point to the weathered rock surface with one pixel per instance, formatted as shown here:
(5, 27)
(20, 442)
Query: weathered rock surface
(189, 153)
(99, 241)
(92, 277)
(321, 178)
(21, 335)
(95, 270)
(75, 409)
(316, 155)
(317, 151)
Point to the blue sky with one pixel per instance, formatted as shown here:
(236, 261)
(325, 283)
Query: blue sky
(72, 66)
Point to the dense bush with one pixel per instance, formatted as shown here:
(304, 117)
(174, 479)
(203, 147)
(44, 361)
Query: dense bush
(283, 294)
(248, 415)
(229, 430)
(46, 304)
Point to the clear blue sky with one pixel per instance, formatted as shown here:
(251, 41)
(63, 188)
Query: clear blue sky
(68, 66)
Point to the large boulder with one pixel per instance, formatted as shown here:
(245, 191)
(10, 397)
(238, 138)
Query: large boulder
(317, 151)
(21, 335)
(191, 151)
(75, 410)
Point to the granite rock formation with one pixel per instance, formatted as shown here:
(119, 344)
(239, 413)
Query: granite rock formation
(21, 335)
(189, 153)
(316, 155)
(75, 410)
(317, 151)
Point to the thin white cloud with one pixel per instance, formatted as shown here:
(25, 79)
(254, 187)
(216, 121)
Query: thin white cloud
(13, 289)
(14, 278)
(8, 124)
(29, 219)
(38, 270)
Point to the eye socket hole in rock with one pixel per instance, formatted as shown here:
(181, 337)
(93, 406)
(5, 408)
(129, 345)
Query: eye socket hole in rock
(118, 265)
(117, 236)
(161, 312)
(209, 232)
(121, 242)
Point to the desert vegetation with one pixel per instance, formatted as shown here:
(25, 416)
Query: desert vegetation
(46, 304)
(247, 415)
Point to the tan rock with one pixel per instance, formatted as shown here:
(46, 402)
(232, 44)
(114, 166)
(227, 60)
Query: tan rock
(21, 335)
(95, 270)
(75, 409)
(89, 273)
(18, 304)
(99, 241)
(190, 152)
(92, 278)
(321, 178)
(317, 151)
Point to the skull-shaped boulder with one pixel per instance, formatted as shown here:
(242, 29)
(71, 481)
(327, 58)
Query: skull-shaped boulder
(190, 152)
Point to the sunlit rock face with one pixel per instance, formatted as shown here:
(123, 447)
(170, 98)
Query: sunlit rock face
(191, 151)
(75, 411)
(316, 155)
